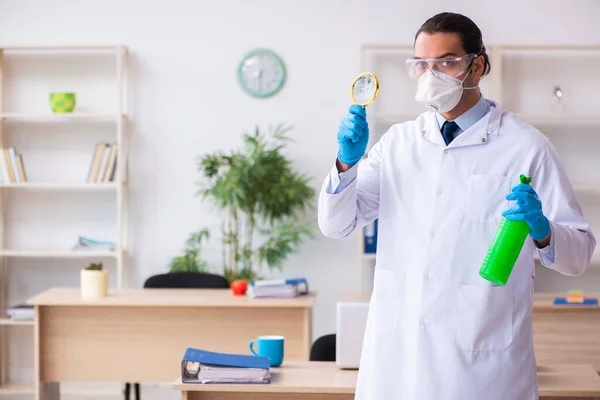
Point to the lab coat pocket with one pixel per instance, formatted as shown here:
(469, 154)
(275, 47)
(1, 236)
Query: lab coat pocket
(386, 300)
(484, 318)
(486, 198)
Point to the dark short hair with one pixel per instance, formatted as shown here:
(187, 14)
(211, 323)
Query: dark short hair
(469, 32)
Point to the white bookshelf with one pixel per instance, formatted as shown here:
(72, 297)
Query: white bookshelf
(116, 115)
(62, 186)
(572, 125)
(67, 47)
(59, 253)
(16, 389)
(13, 322)
(61, 117)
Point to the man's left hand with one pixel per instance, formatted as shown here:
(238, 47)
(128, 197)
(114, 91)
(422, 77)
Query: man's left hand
(528, 208)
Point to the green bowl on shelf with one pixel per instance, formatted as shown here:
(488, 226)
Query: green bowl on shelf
(62, 102)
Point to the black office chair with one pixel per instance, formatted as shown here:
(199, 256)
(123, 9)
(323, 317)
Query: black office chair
(323, 349)
(186, 280)
(180, 280)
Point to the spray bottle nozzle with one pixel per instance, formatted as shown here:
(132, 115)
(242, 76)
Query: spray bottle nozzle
(525, 179)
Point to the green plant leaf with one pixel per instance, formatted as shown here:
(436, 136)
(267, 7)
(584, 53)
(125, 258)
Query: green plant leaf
(284, 240)
(94, 267)
(257, 189)
(195, 239)
(245, 274)
(191, 260)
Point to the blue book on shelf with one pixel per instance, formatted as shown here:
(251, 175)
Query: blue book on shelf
(370, 237)
(588, 301)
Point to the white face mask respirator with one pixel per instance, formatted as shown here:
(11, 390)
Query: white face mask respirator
(440, 92)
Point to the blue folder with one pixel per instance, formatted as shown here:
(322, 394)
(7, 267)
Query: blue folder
(370, 237)
(225, 359)
(204, 357)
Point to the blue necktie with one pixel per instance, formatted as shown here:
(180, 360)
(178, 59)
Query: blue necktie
(448, 129)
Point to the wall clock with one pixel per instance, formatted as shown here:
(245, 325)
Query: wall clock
(261, 73)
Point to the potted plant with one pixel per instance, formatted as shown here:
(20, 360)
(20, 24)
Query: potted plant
(261, 198)
(94, 281)
(191, 260)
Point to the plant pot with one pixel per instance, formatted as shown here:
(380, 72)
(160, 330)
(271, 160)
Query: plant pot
(94, 284)
(62, 102)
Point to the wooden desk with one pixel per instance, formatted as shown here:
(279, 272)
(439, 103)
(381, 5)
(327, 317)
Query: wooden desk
(324, 381)
(566, 334)
(140, 335)
(561, 334)
(292, 381)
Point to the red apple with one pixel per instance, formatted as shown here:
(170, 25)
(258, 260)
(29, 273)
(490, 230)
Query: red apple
(239, 287)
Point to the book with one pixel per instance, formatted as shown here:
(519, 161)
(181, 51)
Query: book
(86, 243)
(278, 288)
(109, 175)
(103, 165)
(21, 167)
(5, 165)
(12, 154)
(21, 312)
(202, 366)
(370, 237)
(9, 167)
(104, 160)
(95, 165)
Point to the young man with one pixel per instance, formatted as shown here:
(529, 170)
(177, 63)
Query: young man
(439, 186)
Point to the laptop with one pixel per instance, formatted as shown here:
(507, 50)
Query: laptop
(351, 321)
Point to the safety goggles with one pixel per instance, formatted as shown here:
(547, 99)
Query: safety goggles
(453, 66)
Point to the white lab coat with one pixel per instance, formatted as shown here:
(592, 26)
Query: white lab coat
(436, 330)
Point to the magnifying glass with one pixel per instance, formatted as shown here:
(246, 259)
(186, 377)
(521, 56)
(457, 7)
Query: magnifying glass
(364, 89)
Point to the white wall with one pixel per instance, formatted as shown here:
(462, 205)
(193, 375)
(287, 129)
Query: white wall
(185, 101)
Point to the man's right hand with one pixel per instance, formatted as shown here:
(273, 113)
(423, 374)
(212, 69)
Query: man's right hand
(352, 136)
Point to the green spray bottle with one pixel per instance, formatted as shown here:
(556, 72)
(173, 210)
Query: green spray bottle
(505, 248)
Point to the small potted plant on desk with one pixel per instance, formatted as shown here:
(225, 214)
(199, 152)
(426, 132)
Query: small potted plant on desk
(94, 281)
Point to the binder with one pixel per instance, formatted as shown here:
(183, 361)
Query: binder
(202, 366)
(370, 238)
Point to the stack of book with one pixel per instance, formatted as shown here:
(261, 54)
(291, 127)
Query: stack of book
(11, 164)
(104, 163)
(576, 298)
(85, 243)
(21, 312)
(278, 288)
(201, 366)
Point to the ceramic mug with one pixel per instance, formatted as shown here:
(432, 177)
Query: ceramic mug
(269, 346)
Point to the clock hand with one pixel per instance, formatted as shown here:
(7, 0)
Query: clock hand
(260, 79)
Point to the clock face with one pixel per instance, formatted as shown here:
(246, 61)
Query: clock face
(261, 73)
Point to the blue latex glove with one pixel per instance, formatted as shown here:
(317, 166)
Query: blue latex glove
(353, 135)
(528, 208)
